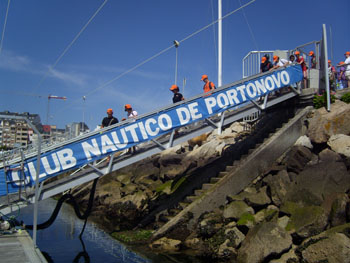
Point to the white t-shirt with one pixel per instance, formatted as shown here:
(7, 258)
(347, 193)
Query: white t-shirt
(132, 114)
(347, 61)
(282, 62)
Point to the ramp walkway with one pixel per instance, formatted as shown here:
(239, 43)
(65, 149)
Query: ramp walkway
(151, 133)
(18, 247)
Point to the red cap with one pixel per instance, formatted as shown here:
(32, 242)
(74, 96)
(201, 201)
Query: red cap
(174, 87)
(311, 53)
(297, 52)
(127, 107)
(204, 77)
(263, 59)
(109, 111)
(275, 58)
(347, 53)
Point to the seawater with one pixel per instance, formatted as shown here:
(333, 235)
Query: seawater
(61, 243)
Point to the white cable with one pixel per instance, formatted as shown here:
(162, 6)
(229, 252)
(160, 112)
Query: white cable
(250, 29)
(71, 43)
(4, 27)
(156, 55)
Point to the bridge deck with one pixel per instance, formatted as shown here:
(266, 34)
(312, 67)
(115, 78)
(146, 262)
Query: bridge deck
(19, 247)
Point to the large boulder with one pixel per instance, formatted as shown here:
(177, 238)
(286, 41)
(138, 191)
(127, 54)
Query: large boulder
(304, 141)
(234, 235)
(324, 124)
(278, 184)
(255, 197)
(209, 224)
(315, 182)
(305, 221)
(297, 158)
(338, 206)
(340, 143)
(331, 246)
(236, 209)
(166, 244)
(262, 241)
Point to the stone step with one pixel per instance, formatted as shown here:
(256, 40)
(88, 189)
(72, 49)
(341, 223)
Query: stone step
(222, 174)
(174, 211)
(257, 145)
(198, 192)
(236, 162)
(165, 218)
(206, 186)
(191, 198)
(214, 180)
(244, 156)
(229, 167)
(183, 205)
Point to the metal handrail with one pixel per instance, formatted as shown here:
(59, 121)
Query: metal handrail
(168, 107)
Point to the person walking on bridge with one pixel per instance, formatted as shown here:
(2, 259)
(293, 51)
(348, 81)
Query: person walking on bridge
(208, 86)
(131, 114)
(313, 61)
(265, 64)
(177, 95)
(279, 62)
(109, 120)
(301, 61)
(347, 64)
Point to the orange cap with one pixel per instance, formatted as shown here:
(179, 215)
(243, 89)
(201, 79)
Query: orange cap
(297, 52)
(109, 111)
(341, 62)
(127, 107)
(329, 61)
(263, 59)
(311, 53)
(174, 87)
(347, 53)
(275, 58)
(204, 77)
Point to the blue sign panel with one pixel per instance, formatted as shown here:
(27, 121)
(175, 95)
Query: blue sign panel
(144, 129)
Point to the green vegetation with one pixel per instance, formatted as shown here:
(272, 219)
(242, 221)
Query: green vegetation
(321, 100)
(346, 97)
(164, 187)
(131, 237)
(245, 218)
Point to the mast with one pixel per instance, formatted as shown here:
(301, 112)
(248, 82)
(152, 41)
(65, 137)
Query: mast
(219, 43)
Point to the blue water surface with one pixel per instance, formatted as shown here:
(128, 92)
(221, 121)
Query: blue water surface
(60, 242)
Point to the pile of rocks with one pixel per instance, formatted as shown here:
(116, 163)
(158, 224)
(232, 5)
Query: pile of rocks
(297, 212)
(123, 197)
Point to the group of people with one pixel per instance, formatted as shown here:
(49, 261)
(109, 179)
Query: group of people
(340, 78)
(336, 77)
(267, 65)
(132, 114)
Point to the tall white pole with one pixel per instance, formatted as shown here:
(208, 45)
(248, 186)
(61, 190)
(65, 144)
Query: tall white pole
(219, 44)
(83, 128)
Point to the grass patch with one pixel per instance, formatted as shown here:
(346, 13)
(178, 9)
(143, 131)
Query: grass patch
(132, 237)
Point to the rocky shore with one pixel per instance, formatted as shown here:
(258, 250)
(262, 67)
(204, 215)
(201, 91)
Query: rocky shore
(299, 211)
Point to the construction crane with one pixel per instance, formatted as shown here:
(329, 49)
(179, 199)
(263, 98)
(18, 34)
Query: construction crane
(48, 105)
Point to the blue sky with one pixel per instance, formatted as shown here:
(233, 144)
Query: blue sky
(126, 33)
